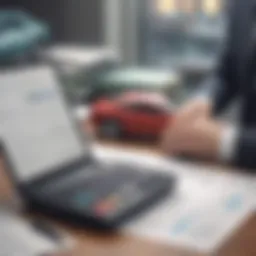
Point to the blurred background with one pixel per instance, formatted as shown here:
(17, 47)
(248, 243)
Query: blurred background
(104, 48)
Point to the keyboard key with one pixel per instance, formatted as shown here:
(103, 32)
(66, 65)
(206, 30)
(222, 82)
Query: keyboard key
(83, 199)
(104, 208)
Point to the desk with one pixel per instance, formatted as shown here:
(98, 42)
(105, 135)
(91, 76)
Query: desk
(242, 243)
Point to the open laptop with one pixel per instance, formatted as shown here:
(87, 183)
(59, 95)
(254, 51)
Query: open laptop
(50, 162)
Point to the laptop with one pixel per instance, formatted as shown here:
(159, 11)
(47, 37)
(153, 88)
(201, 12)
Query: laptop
(51, 164)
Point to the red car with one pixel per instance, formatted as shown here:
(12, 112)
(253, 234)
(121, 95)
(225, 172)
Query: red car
(134, 113)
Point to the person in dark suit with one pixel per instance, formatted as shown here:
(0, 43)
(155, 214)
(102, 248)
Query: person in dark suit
(197, 131)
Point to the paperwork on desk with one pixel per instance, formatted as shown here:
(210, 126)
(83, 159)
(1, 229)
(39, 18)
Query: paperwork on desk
(18, 237)
(205, 210)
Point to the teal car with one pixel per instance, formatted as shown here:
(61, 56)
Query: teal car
(110, 80)
(20, 33)
(134, 79)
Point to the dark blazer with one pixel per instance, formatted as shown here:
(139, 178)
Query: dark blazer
(236, 77)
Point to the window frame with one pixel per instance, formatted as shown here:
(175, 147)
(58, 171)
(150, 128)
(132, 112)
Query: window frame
(122, 21)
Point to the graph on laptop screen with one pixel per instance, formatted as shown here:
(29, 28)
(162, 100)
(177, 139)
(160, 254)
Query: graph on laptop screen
(36, 128)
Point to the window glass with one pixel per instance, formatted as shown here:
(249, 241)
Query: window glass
(187, 35)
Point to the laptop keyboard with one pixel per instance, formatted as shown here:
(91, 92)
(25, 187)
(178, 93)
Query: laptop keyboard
(106, 191)
(87, 176)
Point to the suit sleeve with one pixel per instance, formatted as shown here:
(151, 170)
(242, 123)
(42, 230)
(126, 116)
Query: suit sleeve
(223, 86)
(223, 83)
(245, 153)
(219, 87)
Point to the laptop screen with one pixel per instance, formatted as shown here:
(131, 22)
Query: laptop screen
(36, 129)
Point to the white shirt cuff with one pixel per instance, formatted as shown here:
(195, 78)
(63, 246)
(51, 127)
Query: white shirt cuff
(228, 144)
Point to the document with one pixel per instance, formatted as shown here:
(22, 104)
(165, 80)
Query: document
(19, 238)
(207, 207)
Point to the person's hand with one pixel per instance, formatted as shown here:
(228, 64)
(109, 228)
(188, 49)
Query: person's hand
(199, 138)
(193, 133)
(190, 111)
(193, 109)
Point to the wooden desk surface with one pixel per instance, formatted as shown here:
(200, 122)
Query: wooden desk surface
(242, 243)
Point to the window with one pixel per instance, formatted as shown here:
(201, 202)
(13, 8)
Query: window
(182, 33)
